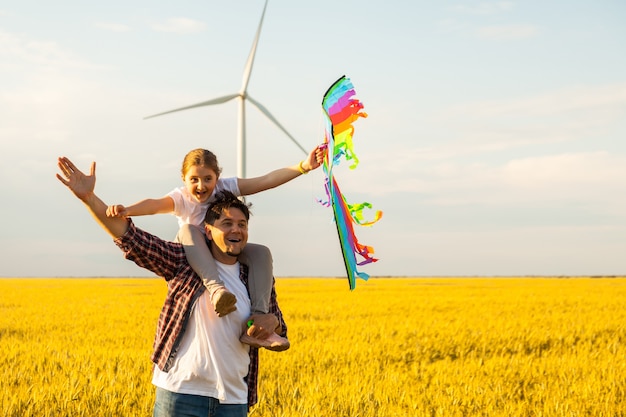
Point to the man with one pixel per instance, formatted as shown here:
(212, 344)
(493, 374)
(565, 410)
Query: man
(202, 369)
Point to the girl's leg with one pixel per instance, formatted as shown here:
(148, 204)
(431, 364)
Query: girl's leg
(260, 282)
(201, 260)
(260, 276)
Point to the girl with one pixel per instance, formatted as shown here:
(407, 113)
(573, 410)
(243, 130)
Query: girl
(201, 177)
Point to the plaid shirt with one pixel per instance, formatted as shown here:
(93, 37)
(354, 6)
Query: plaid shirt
(168, 260)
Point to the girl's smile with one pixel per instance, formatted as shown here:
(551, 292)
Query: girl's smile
(200, 182)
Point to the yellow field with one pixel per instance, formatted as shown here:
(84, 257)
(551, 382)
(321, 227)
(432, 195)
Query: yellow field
(392, 347)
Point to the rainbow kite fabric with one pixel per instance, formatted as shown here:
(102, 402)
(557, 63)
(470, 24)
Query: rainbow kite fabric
(341, 110)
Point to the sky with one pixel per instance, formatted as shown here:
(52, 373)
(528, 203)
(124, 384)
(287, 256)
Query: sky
(494, 146)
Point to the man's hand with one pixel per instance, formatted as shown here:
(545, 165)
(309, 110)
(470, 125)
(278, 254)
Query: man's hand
(263, 332)
(83, 187)
(263, 325)
(80, 184)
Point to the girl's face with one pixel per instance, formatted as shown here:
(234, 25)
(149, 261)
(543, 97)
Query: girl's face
(200, 182)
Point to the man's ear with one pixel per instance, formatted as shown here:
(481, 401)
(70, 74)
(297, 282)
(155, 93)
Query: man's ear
(207, 230)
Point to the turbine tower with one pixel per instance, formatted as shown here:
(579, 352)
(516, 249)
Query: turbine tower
(242, 96)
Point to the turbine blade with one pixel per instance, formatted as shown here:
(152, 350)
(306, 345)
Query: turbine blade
(218, 100)
(250, 62)
(273, 119)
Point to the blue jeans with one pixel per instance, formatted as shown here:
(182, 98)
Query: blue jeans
(171, 404)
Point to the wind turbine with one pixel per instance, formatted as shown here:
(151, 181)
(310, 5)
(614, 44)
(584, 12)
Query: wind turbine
(242, 96)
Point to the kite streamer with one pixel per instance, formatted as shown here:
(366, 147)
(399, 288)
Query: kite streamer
(341, 110)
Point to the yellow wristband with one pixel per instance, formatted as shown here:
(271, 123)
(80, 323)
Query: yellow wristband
(302, 171)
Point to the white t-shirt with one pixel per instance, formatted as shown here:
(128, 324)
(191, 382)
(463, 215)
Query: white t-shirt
(189, 211)
(211, 361)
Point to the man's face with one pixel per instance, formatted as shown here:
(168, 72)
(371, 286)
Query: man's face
(229, 234)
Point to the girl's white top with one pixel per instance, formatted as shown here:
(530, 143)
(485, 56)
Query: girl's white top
(211, 361)
(189, 211)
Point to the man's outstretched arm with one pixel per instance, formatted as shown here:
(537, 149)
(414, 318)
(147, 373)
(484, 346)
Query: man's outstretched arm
(83, 188)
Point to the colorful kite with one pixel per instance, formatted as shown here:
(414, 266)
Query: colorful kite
(340, 111)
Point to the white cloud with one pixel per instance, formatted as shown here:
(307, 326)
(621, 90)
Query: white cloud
(180, 25)
(590, 178)
(574, 170)
(507, 32)
(550, 103)
(113, 27)
(503, 151)
(575, 113)
(594, 177)
(17, 50)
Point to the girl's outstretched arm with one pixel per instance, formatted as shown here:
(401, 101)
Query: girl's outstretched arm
(143, 207)
(280, 176)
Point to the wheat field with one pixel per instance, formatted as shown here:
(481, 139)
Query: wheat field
(392, 347)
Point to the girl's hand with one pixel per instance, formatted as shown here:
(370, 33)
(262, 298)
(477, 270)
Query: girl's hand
(117, 210)
(315, 158)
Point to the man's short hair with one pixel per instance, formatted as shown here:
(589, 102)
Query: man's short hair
(225, 200)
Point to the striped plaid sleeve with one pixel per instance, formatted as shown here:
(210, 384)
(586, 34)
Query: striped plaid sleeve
(151, 252)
